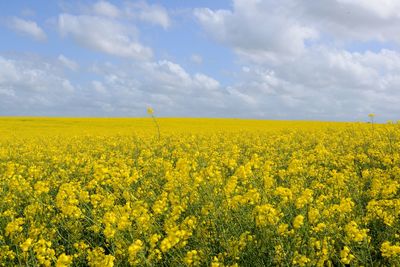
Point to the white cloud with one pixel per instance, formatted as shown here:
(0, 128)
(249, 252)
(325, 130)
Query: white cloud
(346, 21)
(69, 63)
(256, 30)
(321, 84)
(324, 84)
(107, 9)
(29, 28)
(153, 13)
(329, 84)
(104, 35)
(206, 82)
(66, 84)
(32, 87)
(265, 31)
(197, 59)
(99, 87)
(381, 8)
(165, 85)
(31, 75)
(174, 76)
(295, 60)
(169, 74)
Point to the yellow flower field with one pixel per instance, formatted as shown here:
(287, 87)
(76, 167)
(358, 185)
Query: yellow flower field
(221, 192)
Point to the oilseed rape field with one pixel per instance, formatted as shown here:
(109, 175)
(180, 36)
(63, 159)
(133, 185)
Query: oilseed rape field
(206, 192)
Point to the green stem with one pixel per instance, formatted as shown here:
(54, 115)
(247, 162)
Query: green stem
(158, 127)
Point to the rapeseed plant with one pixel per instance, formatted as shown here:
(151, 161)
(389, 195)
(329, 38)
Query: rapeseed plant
(245, 193)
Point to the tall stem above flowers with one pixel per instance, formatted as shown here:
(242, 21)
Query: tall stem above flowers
(150, 111)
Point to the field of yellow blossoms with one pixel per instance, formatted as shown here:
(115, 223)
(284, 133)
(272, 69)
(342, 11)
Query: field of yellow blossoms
(222, 192)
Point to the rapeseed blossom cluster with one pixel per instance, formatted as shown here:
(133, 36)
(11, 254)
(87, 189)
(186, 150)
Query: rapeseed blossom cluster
(206, 193)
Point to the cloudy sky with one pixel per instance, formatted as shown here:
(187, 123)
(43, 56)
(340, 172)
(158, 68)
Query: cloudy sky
(267, 59)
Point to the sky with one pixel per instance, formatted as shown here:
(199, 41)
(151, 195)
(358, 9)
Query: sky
(331, 60)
